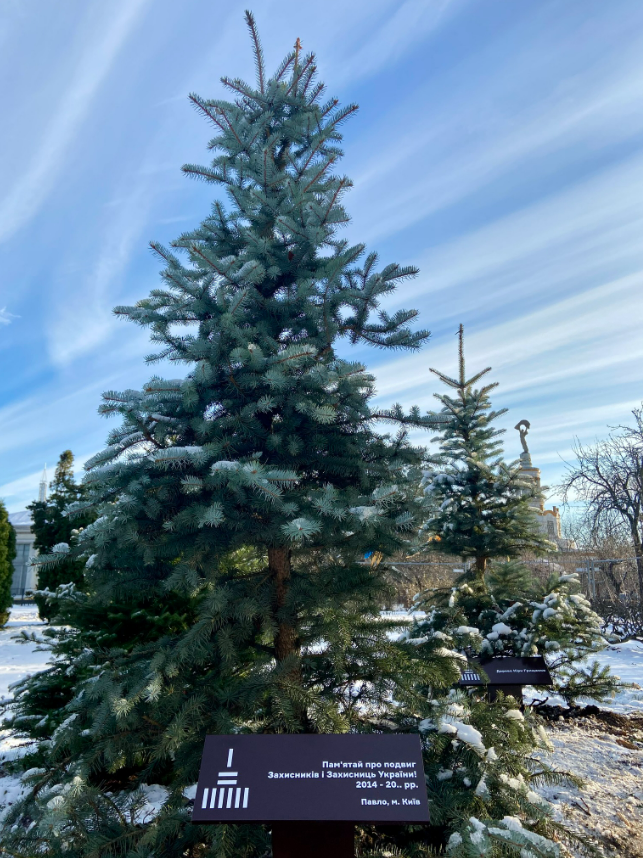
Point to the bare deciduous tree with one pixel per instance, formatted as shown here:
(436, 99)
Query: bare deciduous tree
(608, 478)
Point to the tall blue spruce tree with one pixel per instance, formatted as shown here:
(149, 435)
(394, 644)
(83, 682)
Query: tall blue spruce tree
(224, 584)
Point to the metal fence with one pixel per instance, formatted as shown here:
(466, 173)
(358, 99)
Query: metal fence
(604, 580)
(21, 595)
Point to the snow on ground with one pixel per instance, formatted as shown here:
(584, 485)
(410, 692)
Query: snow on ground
(16, 659)
(607, 753)
(626, 661)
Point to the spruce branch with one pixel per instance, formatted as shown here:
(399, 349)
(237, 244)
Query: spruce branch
(240, 87)
(228, 122)
(203, 108)
(285, 65)
(257, 49)
(312, 71)
(331, 104)
(204, 173)
(315, 93)
(319, 174)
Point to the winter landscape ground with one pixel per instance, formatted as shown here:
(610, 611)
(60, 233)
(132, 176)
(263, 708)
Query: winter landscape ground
(608, 809)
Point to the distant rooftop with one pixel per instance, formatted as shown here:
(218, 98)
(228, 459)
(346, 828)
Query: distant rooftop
(21, 519)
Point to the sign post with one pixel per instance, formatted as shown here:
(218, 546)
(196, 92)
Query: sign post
(313, 840)
(312, 789)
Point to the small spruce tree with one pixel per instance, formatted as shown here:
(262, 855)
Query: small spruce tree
(481, 510)
(479, 505)
(7, 556)
(238, 502)
(52, 526)
(482, 773)
(552, 619)
(481, 770)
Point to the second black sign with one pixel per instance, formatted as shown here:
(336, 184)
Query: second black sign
(507, 670)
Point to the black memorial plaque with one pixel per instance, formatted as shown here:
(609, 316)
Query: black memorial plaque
(266, 778)
(507, 670)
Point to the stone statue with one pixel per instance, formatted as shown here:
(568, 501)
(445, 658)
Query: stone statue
(523, 427)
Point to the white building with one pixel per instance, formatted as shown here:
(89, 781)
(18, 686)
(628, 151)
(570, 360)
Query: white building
(24, 575)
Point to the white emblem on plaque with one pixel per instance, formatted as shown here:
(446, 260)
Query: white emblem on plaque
(469, 675)
(229, 794)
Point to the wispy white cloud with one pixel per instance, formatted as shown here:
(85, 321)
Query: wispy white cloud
(576, 261)
(18, 493)
(6, 317)
(61, 415)
(468, 143)
(33, 186)
(404, 26)
(23, 489)
(593, 226)
(594, 420)
(352, 41)
(557, 284)
(562, 342)
(82, 316)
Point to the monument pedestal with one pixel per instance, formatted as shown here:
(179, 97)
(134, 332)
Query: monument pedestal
(313, 840)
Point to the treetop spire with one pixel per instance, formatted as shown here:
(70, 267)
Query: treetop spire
(462, 384)
(461, 355)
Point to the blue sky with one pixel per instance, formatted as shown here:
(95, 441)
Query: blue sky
(499, 146)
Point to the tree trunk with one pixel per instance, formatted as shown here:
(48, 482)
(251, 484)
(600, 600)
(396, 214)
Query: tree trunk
(638, 553)
(286, 643)
(616, 584)
(481, 568)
